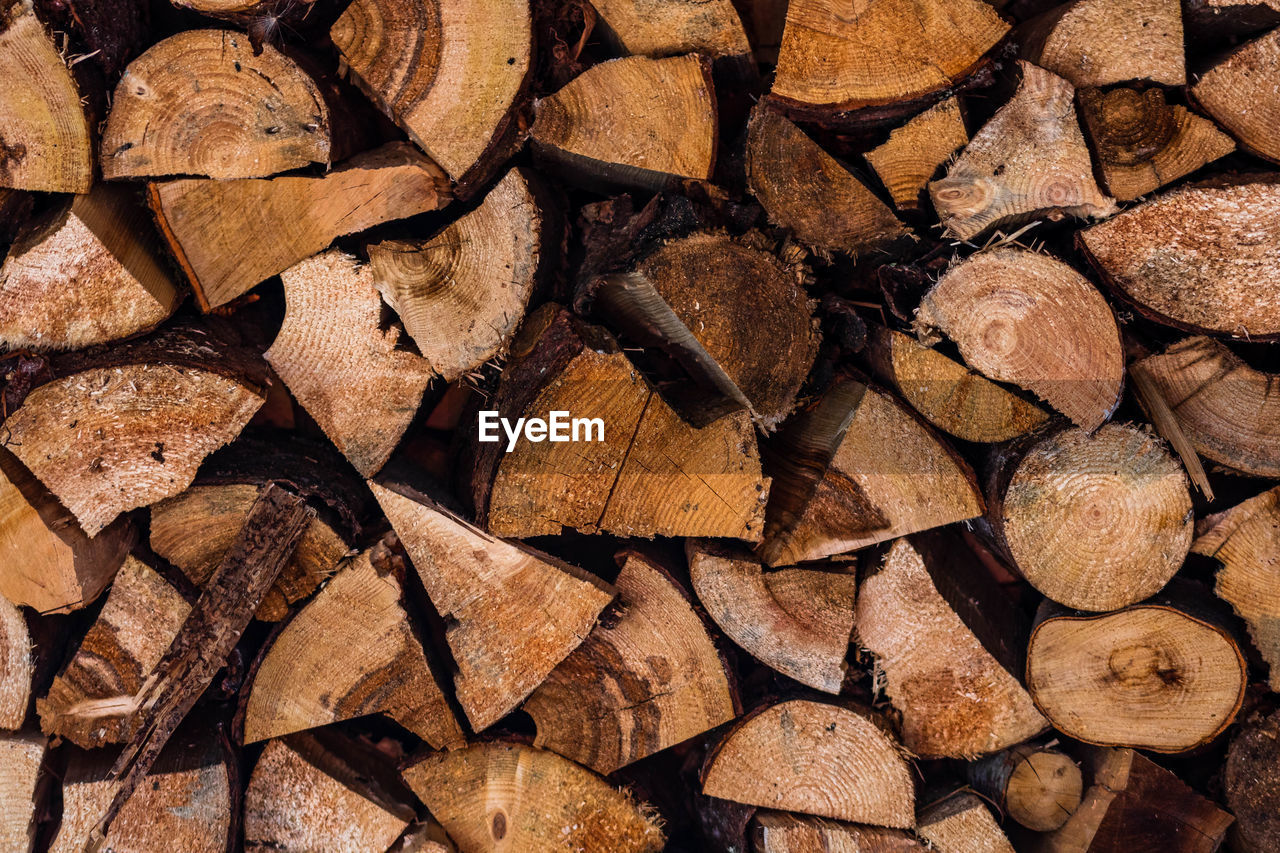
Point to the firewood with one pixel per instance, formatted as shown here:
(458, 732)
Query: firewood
(47, 141)
(638, 685)
(638, 479)
(1095, 522)
(764, 21)
(838, 477)
(1100, 42)
(1029, 160)
(806, 190)
(1198, 257)
(891, 51)
(499, 599)
(450, 72)
(1240, 93)
(1142, 143)
(47, 562)
(231, 235)
(1245, 540)
(952, 397)
(89, 273)
(634, 121)
(1223, 405)
(780, 832)
(1150, 676)
(15, 666)
(1134, 804)
(22, 757)
(349, 652)
(306, 795)
(961, 823)
(906, 162)
(797, 621)
(342, 366)
(684, 26)
(956, 698)
(462, 293)
(1251, 786)
(207, 103)
(1038, 787)
(813, 758)
(425, 836)
(740, 312)
(507, 796)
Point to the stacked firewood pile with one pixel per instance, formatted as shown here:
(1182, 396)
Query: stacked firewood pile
(628, 425)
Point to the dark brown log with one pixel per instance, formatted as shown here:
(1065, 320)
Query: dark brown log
(1038, 787)
(1251, 786)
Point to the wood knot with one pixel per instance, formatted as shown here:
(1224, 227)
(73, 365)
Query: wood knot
(499, 827)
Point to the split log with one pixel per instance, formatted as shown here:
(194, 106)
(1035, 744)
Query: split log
(512, 797)
(1095, 522)
(90, 273)
(953, 398)
(1142, 143)
(816, 759)
(1251, 785)
(961, 823)
(956, 697)
(45, 138)
(340, 363)
(1038, 787)
(1240, 93)
(634, 121)
(668, 29)
(462, 293)
(209, 103)
(22, 757)
(650, 473)
(1100, 42)
(806, 190)
(349, 652)
(1199, 257)
(908, 159)
(1030, 160)
(230, 235)
(780, 832)
(1245, 540)
(1225, 407)
(839, 481)
(1134, 804)
(649, 680)
(450, 72)
(323, 792)
(1149, 676)
(797, 621)
(47, 562)
(16, 666)
(891, 51)
(498, 599)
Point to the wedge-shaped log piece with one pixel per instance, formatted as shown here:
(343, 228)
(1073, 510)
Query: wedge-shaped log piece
(1141, 142)
(1241, 93)
(708, 27)
(209, 103)
(462, 293)
(961, 823)
(88, 274)
(231, 235)
(780, 832)
(47, 143)
(1149, 676)
(1100, 42)
(447, 71)
(1038, 787)
(635, 121)
(513, 613)
(1201, 257)
(858, 468)
(805, 189)
(907, 161)
(16, 666)
(349, 652)
(341, 364)
(1251, 783)
(90, 701)
(957, 699)
(813, 758)
(22, 756)
(638, 685)
(797, 621)
(1025, 318)
(506, 796)
(885, 51)
(1029, 160)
